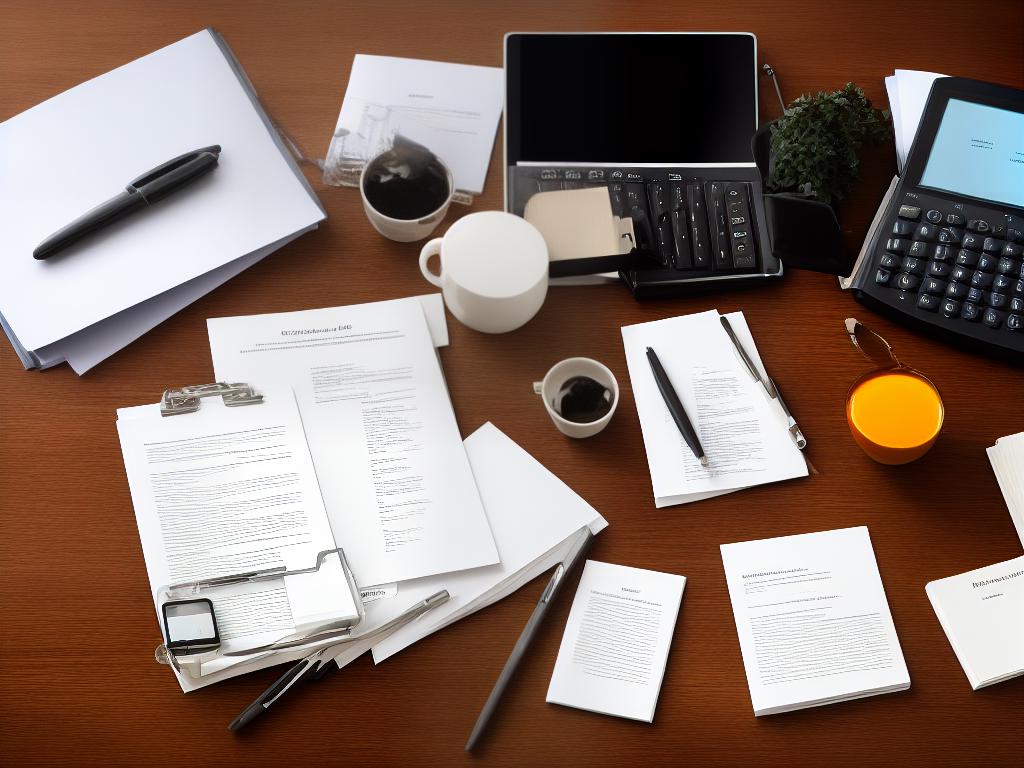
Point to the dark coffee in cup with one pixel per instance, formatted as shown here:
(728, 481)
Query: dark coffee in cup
(582, 400)
(406, 182)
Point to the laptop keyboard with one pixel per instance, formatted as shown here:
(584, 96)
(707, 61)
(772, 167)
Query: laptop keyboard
(689, 224)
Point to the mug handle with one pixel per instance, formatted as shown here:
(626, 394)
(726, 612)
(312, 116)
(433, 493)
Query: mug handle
(432, 248)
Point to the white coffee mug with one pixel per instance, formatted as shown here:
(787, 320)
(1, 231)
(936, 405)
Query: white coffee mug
(405, 230)
(560, 373)
(494, 270)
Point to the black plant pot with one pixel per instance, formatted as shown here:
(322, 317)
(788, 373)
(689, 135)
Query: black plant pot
(804, 233)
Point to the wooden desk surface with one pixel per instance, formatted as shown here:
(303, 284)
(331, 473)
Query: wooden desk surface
(78, 684)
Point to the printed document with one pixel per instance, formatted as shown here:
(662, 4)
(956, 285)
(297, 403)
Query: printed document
(395, 479)
(812, 618)
(227, 491)
(982, 614)
(616, 642)
(744, 434)
(452, 109)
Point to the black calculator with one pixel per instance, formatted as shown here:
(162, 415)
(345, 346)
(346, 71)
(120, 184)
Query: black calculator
(946, 253)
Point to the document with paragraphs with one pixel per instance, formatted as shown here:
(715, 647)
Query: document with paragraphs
(613, 654)
(813, 621)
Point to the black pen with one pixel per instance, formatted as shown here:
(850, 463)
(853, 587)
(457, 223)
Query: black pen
(141, 192)
(675, 407)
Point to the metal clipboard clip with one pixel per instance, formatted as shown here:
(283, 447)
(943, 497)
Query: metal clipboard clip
(186, 399)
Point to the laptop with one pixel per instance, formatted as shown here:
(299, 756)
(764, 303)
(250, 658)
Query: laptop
(664, 122)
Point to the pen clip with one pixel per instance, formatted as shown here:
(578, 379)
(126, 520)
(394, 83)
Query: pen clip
(178, 162)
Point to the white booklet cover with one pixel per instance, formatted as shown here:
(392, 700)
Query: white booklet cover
(982, 614)
(616, 642)
(813, 621)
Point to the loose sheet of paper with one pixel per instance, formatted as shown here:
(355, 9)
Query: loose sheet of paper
(181, 97)
(908, 93)
(452, 109)
(982, 614)
(743, 433)
(227, 491)
(813, 621)
(613, 654)
(392, 468)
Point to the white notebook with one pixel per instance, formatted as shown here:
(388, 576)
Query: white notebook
(616, 642)
(744, 434)
(982, 614)
(1007, 458)
(813, 621)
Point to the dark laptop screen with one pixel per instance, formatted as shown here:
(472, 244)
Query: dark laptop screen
(630, 98)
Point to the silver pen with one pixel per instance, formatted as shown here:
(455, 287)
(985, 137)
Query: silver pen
(769, 386)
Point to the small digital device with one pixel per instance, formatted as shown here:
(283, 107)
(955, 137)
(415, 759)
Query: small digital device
(946, 250)
(664, 122)
(190, 626)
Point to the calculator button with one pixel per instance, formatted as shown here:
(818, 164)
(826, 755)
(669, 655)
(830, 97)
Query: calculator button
(997, 300)
(1006, 265)
(961, 274)
(1015, 322)
(934, 216)
(972, 242)
(1012, 250)
(938, 269)
(896, 245)
(987, 262)
(967, 259)
(951, 308)
(903, 228)
(911, 212)
(933, 286)
(981, 280)
(992, 318)
(970, 311)
(927, 302)
(918, 248)
(944, 253)
(950, 236)
(1016, 304)
(1002, 283)
(979, 225)
(992, 245)
(889, 261)
(956, 290)
(1015, 235)
(976, 296)
(882, 276)
(955, 220)
(907, 282)
(926, 232)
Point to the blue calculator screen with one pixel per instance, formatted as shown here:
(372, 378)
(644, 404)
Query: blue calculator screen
(979, 152)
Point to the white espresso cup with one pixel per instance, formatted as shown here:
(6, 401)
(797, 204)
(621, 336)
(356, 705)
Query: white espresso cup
(494, 270)
(406, 230)
(559, 374)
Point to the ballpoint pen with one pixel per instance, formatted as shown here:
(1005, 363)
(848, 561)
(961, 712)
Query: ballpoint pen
(769, 386)
(675, 407)
(141, 192)
(581, 543)
(317, 664)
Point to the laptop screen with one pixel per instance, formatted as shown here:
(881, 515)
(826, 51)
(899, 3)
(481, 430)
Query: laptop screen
(629, 99)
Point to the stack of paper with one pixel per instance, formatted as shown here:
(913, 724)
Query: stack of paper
(813, 621)
(69, 154)
(982, 614)
(533, 516)
(616, 642)
(908, 93)
(1007, 457)
(743, 432)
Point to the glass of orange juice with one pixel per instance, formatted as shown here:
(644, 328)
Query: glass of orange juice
(895, 413)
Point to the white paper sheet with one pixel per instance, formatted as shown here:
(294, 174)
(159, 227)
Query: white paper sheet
(743, 433)
(228, 491)
(982, 614)
(616, 642)
(453, 109)
(908, 92)
(395, 478)
(1007, 459)
(83, 146)
(813, 621)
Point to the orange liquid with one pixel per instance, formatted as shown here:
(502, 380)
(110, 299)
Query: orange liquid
(895, 416)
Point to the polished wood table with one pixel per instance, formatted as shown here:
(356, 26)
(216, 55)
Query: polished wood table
(78, 684)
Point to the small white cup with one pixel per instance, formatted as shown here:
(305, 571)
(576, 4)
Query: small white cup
(405, 230)
(561, 373)
(494, 270)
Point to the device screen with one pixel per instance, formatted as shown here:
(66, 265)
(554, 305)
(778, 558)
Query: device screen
(979, 152)
(631, 98)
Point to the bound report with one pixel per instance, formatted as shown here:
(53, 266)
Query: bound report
(813, 622)
(1007, 458)
(982, 614)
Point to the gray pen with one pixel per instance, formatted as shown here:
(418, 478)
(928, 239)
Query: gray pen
(769, 386)
(581, 543)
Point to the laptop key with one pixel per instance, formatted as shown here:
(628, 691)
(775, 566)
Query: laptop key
(740, 226)
(700, 237)
(680, 227)
(714, 193)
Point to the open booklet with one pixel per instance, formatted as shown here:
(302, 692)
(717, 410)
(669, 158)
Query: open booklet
(744, 433)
